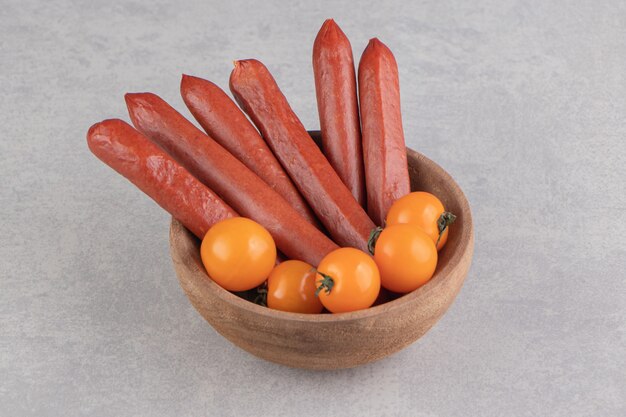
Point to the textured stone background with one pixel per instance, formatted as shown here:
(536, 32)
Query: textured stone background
(524, 103)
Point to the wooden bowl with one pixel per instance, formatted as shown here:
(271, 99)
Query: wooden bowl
(332, 341)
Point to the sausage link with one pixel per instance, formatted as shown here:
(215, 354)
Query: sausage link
(231, 179)
(155, 173)
(337, 105)
(220, 117)
(258, 95)
(384, 150)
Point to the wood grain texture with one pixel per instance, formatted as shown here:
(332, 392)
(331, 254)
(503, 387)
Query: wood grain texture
(333, 341)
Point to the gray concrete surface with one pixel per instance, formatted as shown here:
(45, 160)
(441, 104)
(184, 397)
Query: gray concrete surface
(524, 103)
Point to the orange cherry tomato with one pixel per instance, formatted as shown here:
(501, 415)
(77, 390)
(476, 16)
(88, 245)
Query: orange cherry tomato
(347, 280)
(406, 257)
(291, 287)
(425, 211)
(238, 253)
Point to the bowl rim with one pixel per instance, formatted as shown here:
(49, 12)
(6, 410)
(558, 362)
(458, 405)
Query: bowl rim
(465, 244)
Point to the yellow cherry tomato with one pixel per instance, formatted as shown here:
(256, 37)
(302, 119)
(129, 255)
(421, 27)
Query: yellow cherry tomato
(291, 287)
(425, 211)
(347, 280)
(406, 257)
(238, 253)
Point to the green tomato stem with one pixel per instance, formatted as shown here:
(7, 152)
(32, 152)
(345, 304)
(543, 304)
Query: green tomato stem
(371, 242)
(445, 220)
(261, 295)
(327, 283)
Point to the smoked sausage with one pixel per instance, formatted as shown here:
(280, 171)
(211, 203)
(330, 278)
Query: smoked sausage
(220, 117)
(155, 173)
(241, 188)
(337, 105)
(258, 95)
(384, 150)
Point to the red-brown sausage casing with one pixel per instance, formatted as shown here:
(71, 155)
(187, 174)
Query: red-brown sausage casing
(337, 105)
(155, 173)
(241, 188)
(384, 150)
(220, 117)
(256, 92)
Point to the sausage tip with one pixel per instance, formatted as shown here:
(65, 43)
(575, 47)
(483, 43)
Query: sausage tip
(101, 128)
(329, 30)
(376, 43)
(131, 98)
(91, 134)
(92, 131)
(139, 100)
(328, 24)
(242, 66)
(242, 63)
(96, 128)
(377, 50)
(186, 82)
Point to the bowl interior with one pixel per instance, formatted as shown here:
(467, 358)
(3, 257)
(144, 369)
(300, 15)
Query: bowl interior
(425, 176)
